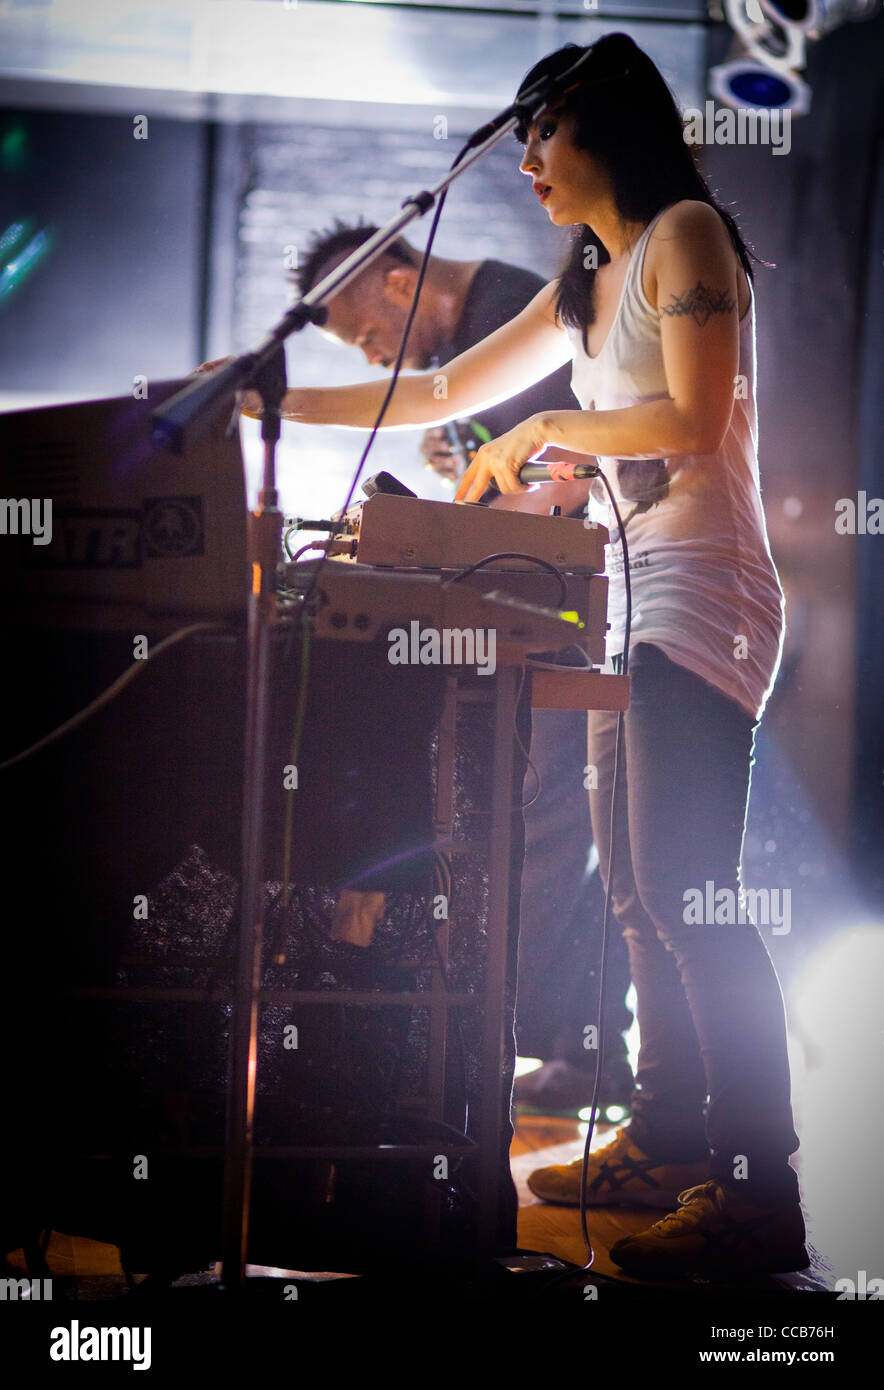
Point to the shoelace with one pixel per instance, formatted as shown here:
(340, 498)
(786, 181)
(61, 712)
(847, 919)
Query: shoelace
(691, 1195)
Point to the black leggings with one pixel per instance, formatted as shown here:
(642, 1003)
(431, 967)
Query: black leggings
(710, 1009)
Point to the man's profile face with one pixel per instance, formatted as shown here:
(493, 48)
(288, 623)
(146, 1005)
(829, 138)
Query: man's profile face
(370, 314)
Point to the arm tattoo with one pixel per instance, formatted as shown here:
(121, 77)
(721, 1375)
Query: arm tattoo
(700, 303)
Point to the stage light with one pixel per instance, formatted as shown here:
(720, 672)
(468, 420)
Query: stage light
(14, 234)
(772, 35)
(25, 261)
(751, 85)
(525, 1065)
(615, 1113)
(817, 17)
(834, 1009)
(764, 37)
(605, 1114)
(835, 1001)
(761, 73)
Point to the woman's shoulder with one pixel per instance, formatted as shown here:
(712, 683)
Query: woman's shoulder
(688, 219)
(690, 234)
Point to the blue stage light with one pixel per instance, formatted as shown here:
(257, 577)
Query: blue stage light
(759, 88)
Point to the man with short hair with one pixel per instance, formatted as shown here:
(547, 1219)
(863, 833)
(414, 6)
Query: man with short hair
(461, 302)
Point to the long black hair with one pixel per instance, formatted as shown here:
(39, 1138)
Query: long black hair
(627, 118)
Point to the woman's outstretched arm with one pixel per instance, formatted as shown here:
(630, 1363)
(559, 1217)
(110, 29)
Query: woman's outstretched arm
(509, 360)
(692, 274)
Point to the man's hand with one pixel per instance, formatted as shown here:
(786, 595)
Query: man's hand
(436, 449)
(210, 366)
(249, 402)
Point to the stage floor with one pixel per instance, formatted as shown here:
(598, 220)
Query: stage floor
(88, 1270)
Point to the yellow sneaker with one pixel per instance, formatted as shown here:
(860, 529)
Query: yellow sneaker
(618, 1175)
(715, 1231)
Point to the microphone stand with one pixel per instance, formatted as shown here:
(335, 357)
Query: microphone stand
(263, 369)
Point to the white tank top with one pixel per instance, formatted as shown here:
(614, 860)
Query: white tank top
(704, 586)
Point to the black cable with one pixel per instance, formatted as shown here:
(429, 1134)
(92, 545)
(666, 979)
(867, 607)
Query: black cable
(569, 1274)
(311, 545)
(512, 555)
(112, 691)
(536, 660)
(563, 594)
(610, 883)
(540, 666)
(522, 749)
(443, 871)
(294, 754)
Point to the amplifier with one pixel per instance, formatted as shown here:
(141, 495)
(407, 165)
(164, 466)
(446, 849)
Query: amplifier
(135, 532)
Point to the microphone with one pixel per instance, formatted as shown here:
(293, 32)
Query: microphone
(557, 472)
(529, 103)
